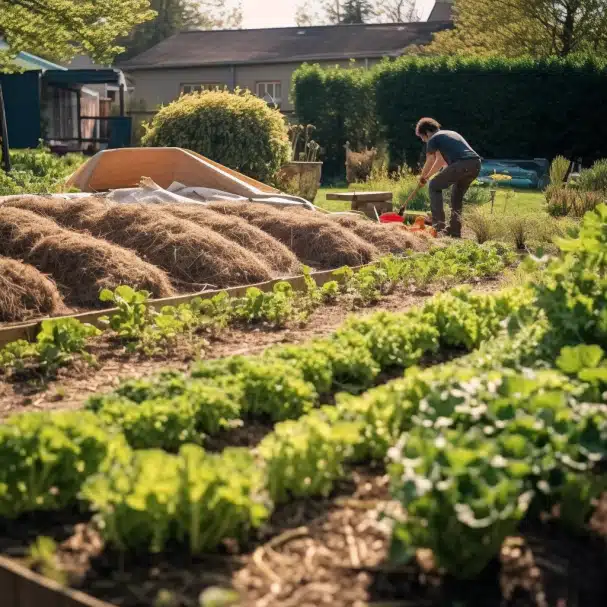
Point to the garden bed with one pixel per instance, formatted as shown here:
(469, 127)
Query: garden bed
(331, 551)
(450, 453)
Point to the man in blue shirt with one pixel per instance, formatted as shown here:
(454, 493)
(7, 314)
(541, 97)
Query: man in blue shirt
(450, 161)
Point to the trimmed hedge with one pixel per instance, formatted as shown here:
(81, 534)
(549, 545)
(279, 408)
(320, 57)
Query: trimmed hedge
(340, 103)
(238, 130)
(520, 108)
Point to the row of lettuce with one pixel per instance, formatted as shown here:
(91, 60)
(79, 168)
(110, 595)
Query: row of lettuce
(511, 428)
(142, 328)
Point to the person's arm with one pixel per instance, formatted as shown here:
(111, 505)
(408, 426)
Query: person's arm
(434, 163)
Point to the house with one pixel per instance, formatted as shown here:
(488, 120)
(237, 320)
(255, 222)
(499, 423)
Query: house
(442, 11)
(49, 102)
(262, 60)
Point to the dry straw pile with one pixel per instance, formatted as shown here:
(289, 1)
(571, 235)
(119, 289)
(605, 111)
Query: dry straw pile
(80, 264)
(25, 292)
(193, 255)
(388, 238)
(278, 257)
(316, 240)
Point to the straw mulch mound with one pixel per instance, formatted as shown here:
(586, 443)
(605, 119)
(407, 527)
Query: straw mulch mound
(193, 255)
(25, 292)
(316, 240)
(274, 253)
(80, 265)
(388, 238)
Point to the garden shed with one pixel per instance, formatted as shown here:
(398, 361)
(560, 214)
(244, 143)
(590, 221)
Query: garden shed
(51, 103)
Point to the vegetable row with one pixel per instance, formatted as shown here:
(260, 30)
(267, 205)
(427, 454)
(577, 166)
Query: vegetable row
(139, 327)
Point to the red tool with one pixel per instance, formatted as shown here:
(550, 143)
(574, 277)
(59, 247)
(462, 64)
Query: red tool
(420, 223)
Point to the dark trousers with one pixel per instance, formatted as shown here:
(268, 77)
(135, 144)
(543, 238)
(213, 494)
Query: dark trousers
(460, 175)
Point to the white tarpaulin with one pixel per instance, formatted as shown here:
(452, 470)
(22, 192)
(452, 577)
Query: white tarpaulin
(150, 192)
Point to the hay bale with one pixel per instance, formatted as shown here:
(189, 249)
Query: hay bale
(80, 264)
(388, 238)
(192, 255)
(71, 214)
(315, 239)
(26, 293)
(274, 253)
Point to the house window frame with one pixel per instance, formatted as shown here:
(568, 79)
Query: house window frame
(198, 87)
(277, 98)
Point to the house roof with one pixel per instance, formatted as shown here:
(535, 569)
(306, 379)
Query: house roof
(441, 11)
(27, 61)
(284, 45)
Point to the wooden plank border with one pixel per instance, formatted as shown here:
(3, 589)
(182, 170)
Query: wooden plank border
(21, 587)
(29, 330)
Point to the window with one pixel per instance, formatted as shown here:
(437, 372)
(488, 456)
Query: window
(270, 91)
(186, 89)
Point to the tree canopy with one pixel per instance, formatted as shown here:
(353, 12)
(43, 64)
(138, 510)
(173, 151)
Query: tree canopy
(538, 28)
(61, 29)
(173, 16)
(356, 11)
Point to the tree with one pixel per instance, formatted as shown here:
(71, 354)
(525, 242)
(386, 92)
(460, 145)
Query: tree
(333, 10)
(356, 11)
(396, 11)
(61, 29)
(306, 15)
(173, 16)
(538, 28)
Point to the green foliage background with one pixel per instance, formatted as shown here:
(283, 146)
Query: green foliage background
(341, 104)
(521, 108)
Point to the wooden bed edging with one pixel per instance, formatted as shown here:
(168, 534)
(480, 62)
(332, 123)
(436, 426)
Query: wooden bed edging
(21, 587)
(29, 330)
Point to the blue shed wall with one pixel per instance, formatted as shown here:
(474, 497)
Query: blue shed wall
(22, 103)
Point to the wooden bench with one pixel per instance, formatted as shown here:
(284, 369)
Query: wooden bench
(366, 202)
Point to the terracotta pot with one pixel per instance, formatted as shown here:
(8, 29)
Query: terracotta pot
(301, 178)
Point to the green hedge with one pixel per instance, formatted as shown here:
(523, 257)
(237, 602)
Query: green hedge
(505, 107)
(341, 104)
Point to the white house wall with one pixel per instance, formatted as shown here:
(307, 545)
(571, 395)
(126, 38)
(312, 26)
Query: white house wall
(155, 87)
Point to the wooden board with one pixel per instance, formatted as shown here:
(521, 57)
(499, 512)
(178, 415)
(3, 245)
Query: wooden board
(361, 196)
(29, 330)
(20, 587)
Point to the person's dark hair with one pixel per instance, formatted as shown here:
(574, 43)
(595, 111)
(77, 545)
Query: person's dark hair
(427, 126)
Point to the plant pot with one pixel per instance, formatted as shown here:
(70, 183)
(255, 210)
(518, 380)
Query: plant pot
(300, 179)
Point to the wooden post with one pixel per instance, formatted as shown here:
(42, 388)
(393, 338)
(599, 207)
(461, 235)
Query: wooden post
(122, 99)
(79, 112)
(6, 159)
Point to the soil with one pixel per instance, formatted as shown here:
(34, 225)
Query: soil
(72, 385)
(328, 552)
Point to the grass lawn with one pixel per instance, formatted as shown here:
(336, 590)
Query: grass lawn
(522, 201)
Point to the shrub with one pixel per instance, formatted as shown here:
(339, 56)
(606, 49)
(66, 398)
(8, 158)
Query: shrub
(565, 201)
(483, 225)
(37, 172)
(521, 229)
(359, 164)
(237, 129)
(594, 179)
(558, 170)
